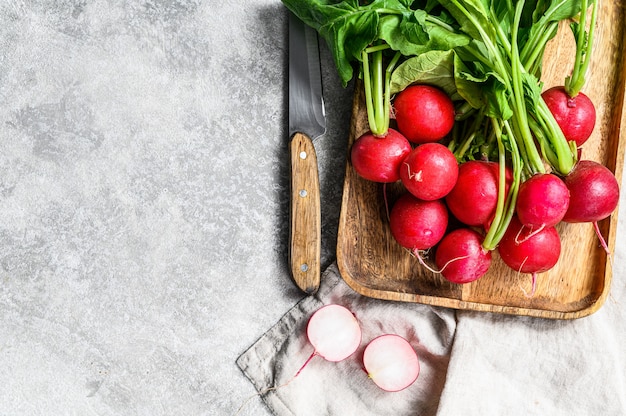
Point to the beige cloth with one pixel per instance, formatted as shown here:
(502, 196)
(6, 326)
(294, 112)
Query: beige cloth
(472, 363)
(343, 388)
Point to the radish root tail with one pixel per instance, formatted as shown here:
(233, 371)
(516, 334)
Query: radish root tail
(386, 199)
(601, 238)
(533, 286)
(530, 235)
(415, 252)
(452, 261)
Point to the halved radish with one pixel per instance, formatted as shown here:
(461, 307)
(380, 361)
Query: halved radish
(391, 362)
(334, 332)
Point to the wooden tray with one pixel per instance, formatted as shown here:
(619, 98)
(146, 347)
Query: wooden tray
(373, 264)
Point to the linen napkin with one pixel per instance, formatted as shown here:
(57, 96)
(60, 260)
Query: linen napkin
(343, 388)
(512, 365)
(472, 363)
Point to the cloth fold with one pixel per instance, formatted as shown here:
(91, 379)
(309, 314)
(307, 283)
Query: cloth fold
(343, 388)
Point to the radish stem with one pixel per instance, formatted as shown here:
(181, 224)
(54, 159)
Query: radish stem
(505, 207)
(584, 44)
(376, 82)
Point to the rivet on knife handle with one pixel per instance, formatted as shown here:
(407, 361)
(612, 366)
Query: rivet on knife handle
(305, 237)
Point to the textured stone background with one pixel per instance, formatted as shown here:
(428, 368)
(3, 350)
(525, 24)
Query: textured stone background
(144, 201)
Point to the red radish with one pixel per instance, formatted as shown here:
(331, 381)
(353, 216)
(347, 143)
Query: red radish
(474, 197)
(416, 224)
(575, 115)
(536, 254)
(528, 253)
(391, 362)
(594, 195)
(429, 171)
(461, 257)
(542, 200)
(424, 113)
(594, 192)
(378, 158)
(334, 332)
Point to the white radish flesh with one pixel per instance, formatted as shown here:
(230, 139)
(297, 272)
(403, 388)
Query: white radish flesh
(334, 332)
(391, 362)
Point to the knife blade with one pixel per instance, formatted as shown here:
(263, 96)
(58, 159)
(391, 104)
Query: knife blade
(307, 122)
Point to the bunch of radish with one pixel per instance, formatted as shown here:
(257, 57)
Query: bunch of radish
(431, 177)
(438, 187)
(503, 164)
(458, 113)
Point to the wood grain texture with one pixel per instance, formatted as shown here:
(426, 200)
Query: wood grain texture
(305, 215)
(373, 264)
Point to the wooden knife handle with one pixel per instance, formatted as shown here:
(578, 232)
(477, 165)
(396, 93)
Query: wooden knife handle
(305, 216)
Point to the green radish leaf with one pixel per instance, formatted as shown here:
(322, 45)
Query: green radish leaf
(548, 12)
(469, 86)
(347, 37)
(346, 28)
(434, 68)
(415, 33)
(473, 17)
(405, 33)
(561, 10)
(406, 3)
(317, 13)
(532, 90)
(503, 13)
(498, 100)
(540, 7)
(482, 88)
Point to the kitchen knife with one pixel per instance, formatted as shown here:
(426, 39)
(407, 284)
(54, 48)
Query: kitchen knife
(307, 122)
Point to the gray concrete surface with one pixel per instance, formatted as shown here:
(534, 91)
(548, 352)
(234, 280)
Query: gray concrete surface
(144, 201)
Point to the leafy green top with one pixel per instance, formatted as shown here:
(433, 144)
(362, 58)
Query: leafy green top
(486, 54)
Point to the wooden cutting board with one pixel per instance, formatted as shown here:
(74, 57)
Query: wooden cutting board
(373, 264)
